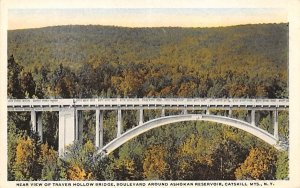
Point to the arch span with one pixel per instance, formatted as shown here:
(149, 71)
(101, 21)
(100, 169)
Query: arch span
(256, 131)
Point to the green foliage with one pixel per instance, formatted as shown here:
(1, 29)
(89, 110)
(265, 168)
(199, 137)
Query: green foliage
(283, 126)
(78, 161)
(14, 89)
(282, 166)
(13, 135)
(226, 158)
(49, 161)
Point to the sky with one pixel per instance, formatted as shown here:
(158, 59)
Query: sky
(21, 18)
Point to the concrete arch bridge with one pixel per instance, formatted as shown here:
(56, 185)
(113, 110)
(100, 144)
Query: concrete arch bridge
(71, 120)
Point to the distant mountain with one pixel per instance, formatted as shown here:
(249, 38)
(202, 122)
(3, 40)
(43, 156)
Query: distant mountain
(73, 46)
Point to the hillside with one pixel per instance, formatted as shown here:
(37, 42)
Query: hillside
(237, 61)
(75, 45)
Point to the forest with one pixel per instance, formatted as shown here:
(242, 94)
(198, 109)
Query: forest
(76, 61)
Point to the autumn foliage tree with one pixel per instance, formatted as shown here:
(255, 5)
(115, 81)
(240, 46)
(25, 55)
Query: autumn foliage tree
(26, 165)
(259, 165)
(48, 159)
(155, 165)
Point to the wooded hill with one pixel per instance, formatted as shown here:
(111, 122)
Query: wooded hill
(76, 45)
(237, 61)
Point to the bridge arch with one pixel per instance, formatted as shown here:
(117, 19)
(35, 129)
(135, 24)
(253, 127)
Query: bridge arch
(138, 130)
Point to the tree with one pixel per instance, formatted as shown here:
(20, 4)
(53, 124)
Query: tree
(49, 161)
(13, 135)
(124, 169)
(154, 164)
(26, 166)
(77, 173)
(282, 166)
(194, 159)
(28, 84)
(14, 88)
(259, 165)
(283, 126)
(79, 161)
(266, 124)
(226, 158)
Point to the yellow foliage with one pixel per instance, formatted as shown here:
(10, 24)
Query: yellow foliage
(89, 147)
(78, 174)
(25, 151)
(25, 158)
(193, 147)
(155, 164)
(48, 155)
(256, 165)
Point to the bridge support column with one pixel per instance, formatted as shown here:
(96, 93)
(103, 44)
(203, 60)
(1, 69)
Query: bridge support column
(36, 123)
(230, 113)
(40, 125)
(119, 123)
(99, 129)
(275, 119)
(207, 111)
(163, 113)
(79, 126)
(67, 129)
(141, 116)
(33, 121)
(185, 111)
(253, 117)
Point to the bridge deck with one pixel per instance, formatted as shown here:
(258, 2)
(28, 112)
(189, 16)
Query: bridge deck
(146, 103)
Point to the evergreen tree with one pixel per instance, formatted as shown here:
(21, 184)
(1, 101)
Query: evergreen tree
(14, 89)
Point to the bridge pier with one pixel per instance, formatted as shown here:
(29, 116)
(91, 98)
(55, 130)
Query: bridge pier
(79, 125)
(163, 113)
(230, 113)
(119, 123)
(36, 123)
(67, 129)
(253, 117)
(207, 111)
(99, 129)
(185, 111)
(141, 116)
(275, 121)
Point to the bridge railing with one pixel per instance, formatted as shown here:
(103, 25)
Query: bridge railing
(148, 102)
